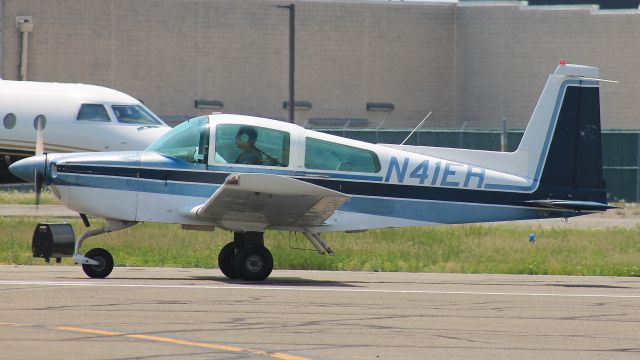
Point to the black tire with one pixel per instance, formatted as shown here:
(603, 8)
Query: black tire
(226, 261)
(254, 263)
(101, 270)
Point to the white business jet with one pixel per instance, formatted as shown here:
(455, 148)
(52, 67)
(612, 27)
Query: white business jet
(73, 118)
(248, 175)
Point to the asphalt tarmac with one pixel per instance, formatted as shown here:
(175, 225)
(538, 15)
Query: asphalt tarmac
(55, 312)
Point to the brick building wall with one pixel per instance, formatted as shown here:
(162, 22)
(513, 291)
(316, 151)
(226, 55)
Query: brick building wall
(504, 54)
(466, 63)
(166, 52)
(350, 54)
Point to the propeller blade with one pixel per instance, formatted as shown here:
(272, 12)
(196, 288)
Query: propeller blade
(38, 182)
(40, 175)
(39, 136)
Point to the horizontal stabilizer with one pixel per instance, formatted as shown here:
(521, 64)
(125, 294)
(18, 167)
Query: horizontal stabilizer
(603, 80)
(571, 205)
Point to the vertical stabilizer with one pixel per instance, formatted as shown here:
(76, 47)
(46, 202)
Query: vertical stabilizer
(564, 136)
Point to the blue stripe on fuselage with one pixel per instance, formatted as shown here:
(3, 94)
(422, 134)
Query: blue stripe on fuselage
(204, 183)
(432, 211)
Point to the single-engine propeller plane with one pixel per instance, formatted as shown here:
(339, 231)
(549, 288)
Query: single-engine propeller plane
(248, 175)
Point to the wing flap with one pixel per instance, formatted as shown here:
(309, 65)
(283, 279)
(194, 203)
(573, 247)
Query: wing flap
(272, 200)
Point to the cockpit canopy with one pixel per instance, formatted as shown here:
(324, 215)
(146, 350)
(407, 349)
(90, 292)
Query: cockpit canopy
(188, 141)
(248, 143)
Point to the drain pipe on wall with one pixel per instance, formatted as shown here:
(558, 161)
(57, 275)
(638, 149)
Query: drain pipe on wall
(25, 26)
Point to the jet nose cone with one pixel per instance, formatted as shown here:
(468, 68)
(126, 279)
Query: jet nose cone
(25, 169)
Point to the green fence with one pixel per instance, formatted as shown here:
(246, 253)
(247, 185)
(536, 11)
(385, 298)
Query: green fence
(620, 150)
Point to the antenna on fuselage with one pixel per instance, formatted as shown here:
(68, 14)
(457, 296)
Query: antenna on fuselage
(417, 127)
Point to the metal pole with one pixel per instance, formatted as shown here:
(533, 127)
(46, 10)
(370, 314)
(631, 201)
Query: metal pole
(24, 28)
(23, 58)
(292, 59)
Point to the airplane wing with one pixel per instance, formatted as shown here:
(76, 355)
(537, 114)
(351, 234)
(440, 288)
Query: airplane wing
(273, 200)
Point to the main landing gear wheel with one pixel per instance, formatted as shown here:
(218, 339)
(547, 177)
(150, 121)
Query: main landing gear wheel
(246, 257)
(226, 260)
(103, 269)
(254, 263)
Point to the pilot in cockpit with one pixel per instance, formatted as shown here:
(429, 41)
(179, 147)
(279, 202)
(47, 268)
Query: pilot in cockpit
(246, 141)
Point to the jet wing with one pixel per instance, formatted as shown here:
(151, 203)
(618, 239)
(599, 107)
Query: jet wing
(272, 200)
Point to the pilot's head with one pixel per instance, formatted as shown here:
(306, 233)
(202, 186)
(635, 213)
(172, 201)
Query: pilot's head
(246, 137)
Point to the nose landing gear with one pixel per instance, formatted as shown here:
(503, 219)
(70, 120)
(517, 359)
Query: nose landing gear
(58, 241)
(98, 263)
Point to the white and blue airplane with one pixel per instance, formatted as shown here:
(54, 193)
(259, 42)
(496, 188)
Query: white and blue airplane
(248, 175)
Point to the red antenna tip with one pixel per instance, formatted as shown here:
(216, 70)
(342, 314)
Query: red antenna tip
(563, 62)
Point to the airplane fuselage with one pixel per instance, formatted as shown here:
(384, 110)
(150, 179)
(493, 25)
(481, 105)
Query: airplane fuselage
(399, 188)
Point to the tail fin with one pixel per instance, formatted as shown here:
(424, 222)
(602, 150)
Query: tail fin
(570, 137)
(559, 158)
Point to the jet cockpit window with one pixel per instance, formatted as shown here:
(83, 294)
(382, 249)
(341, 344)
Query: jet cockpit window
(326, 155)
(252, 145)
(93, 112)
(188, 141)
(135, 115)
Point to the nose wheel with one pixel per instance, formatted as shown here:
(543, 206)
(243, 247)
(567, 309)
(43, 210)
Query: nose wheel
(104, 266)
(246, 258)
